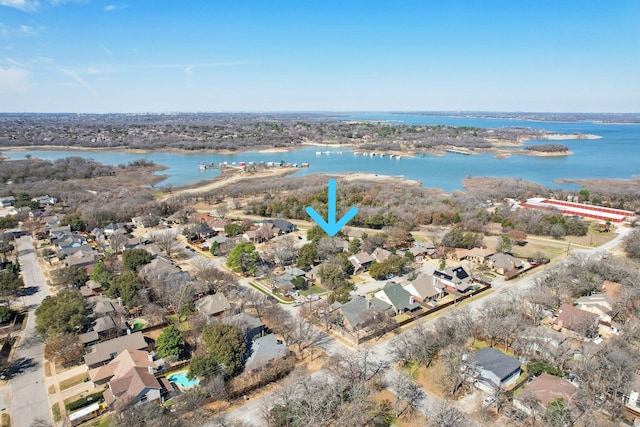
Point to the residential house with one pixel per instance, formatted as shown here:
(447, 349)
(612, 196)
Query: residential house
(264, 350)
(453, 279)
(423, 291)
(252, 236)
(503, 263)
(398, 297)
(131, 379)
(134, 242)
(88, 338)
(159, 268)
(7, 201)
(540, 341)
(576, 320)
(51, 221)
(250, 326)
(103, 352)
(45, 200)
(72, 249)
(281, 226)
(283, 284)
(355, 233)
(90, 289)
(213, 305)
(495, 369)
(421, 250)
(457, 254)
(354, 314)
(57, 231)
(546, 389)
(360, 261)
(112, 228)
(599, 304)
(108, 316)
(144, 221)
(380, 254)
(81, 259)
(479, 255)
(217, 225)
(126, 360)
(202, 231)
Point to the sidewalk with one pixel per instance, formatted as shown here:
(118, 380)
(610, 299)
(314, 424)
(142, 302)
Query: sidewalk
(59, 396)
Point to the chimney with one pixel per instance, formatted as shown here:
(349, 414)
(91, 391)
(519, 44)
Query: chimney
(150, 369)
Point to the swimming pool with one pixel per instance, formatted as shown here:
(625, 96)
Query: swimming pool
(181, 379)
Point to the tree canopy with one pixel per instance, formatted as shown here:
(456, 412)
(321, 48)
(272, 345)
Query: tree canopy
(243, 258)
(64, 312)
(10, 285)
(74, 221)
(134, 258)
(125, 286)
(70, 277)
(225, 348)
(170, 342)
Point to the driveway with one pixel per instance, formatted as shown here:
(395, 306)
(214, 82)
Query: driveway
(28, 400)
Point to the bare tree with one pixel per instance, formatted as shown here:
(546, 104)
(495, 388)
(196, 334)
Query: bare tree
(303, 335)
(406, 391)
(166, 240)
(117, 241)
(444, 414)
(283, 250)
(197, 321)
(174, 290)
(357, 367)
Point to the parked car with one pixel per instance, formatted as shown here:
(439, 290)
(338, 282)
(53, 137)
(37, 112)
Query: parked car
(488, 401)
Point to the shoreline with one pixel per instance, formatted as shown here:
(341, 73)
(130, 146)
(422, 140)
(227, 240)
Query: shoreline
(232, 176)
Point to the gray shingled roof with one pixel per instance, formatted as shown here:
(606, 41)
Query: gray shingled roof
(399, 296)
(107, 350)
(492, 359)
(264, 350)
(354, 309)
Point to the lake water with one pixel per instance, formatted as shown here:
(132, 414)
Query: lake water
(614, 156)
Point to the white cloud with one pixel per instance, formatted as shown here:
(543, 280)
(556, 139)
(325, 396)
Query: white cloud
(75, 76)
(25, 29)
(112, 7)
(24, 5)
(14, 80)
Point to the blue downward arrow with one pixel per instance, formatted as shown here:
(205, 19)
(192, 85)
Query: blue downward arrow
(331, 227)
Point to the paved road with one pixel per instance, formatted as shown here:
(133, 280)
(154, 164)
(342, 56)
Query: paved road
(28, 399)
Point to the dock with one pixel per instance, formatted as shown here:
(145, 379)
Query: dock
(456, 151)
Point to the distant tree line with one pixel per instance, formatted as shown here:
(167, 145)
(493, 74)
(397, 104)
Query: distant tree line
(237, 132)
(547, 148)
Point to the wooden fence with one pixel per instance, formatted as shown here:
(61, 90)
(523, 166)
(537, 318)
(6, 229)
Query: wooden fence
(356, 339)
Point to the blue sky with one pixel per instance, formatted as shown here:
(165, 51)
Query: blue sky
(307, 55)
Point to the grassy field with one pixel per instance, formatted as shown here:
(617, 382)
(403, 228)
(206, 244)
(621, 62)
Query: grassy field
(70, 382)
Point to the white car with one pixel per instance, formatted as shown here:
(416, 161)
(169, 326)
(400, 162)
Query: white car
(488, 401)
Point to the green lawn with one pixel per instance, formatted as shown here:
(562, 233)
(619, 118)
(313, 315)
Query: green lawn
(315, 289)
(55, 410)
(70, 382)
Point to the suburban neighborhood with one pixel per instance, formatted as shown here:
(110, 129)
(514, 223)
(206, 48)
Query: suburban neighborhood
(211, 309)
